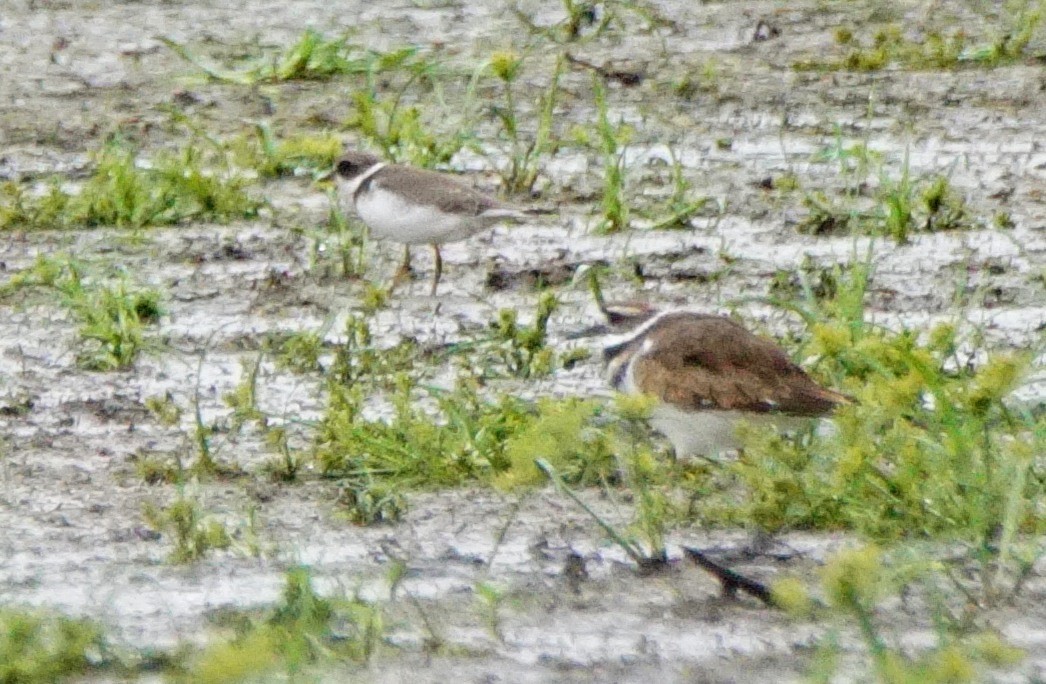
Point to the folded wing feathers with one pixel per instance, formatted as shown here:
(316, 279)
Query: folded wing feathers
(445, 193)
(745, 372)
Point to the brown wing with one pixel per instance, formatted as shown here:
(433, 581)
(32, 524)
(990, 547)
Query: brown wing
(437, 190)
(710, 362)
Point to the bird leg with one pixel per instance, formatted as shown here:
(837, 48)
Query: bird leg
(404, 271)
(439, 270)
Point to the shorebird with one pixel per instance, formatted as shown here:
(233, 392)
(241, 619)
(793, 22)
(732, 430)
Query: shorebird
(417, 206)
(708, 374)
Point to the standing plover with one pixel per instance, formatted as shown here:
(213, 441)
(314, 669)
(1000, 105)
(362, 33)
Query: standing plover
(417, 206)
(708, 374)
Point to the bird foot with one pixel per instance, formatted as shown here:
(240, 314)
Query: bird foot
(403, 274)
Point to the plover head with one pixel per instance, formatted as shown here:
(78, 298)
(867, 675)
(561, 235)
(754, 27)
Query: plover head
(353, 163)
(352, 166)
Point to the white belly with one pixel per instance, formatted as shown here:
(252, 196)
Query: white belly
(388, 216)
(707, 433)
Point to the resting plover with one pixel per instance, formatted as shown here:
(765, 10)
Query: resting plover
(417, 206)
(708, 374)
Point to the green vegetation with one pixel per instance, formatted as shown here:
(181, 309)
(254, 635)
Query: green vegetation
(430, 437)
(526, 151)
(889, 47)
(682, 205)
(358, 360)
(620, 456)
(303, 629)
(463, 439)
(617, 212)
(176, 468)
(588, 20)
(403, 132)
(413, 449)
(113, 318)
(313, 57)
(114, 321)
(809, 281)
(930, 449)
(339, 247)
(124, 191)
(948, 48)
(560, 436)
(894, 207)
(933, 450)
(523, 350)
(579, 16)
(39, 647)
(409, 126)
(243, 399)
(707, 80)
(613, 139)
(382, 111)
(855, 582)
(304, 153)
(193, 532)
(933, 453)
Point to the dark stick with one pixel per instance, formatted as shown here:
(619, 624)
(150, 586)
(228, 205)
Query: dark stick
(730, 580)
(625, 78)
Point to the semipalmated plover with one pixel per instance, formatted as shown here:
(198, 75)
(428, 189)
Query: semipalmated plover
(417, 206)
(709, 374)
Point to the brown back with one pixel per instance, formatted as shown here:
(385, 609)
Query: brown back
(433, 189)
(702, 362)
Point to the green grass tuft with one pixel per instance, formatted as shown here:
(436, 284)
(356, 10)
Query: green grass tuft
(301, 154)
(303, 629)
(1005, 43)
(36, 647)
(464, 441)
(313, 57)
(894, 206)
(401, 130)
(194, 533)
(113, 318)
(125, 191)
(613, 140)
(526, 149)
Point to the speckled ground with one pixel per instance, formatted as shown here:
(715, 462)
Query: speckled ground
(72, 534)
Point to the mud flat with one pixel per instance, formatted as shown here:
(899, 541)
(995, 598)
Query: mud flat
(720, 107)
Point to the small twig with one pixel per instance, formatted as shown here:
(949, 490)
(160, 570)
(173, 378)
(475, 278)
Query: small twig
(500, 538)
(625, 78)
(731, 580)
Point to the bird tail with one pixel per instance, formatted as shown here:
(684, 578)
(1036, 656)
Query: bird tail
(838, 398)
(513, 214)
(539, 211)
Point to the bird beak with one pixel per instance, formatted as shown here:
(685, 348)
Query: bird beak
(591, 331)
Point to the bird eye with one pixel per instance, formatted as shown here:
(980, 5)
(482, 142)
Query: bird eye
(346, 167)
